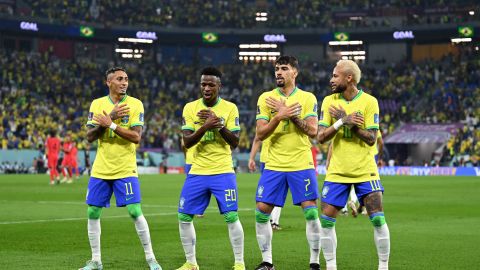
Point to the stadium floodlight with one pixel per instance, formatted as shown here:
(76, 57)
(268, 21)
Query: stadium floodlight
(259, 53)
(471, 12)
(135, 40)
(137, 56)
(476, 48)
(340, 43)
(359, 57)
(460, 40)
(261, 19)
(264, 14)
(257, 46)
(127, 55)
(120, 50)
(352, 53)
(344, 57)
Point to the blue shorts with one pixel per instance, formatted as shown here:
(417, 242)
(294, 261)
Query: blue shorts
(336, 194)
(262, 167)
(127, 191)
(186, 168)
(273, 186)
(197, 190)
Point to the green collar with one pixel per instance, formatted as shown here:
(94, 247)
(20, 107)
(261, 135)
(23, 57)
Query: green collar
(356, 97)
(218, 101)
(291, 94)
(123, 99)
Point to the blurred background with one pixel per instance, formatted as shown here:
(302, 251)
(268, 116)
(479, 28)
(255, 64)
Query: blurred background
(420, 59)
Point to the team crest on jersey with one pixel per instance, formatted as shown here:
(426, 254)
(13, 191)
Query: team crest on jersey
(181, 203)
(325, 191)
(125, 119)
(237, 121)
(376, 118)
(321, 115)
(140, 117)
(90, 116)
(260, 191)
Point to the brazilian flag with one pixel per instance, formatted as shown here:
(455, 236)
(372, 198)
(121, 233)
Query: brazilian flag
(209, 37)
(87, 31)
(341, 36)
(465, 31)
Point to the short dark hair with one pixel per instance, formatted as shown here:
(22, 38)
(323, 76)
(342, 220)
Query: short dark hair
(113, 70)
(213, 71)
(53, 132)
(287, 60)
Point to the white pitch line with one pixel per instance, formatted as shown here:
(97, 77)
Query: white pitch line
(107, 217)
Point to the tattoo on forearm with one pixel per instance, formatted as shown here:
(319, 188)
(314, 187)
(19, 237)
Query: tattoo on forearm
(301, 124)
(368, 136)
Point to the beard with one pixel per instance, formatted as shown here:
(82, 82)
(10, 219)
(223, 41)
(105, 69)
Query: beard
(340, 89)
(281, 84)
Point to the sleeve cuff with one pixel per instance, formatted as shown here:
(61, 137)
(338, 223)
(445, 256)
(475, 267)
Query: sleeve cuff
(188, 128)
(310, 115)
(136, 124)
(235, 129)
(373, 127)
(323, 124)
(262, 117)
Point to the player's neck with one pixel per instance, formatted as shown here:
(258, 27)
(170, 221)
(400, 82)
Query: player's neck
(211, 103)
(287, 90)
(350, 93)
(115, 98)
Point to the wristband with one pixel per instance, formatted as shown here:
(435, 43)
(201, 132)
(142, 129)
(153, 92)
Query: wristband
(338, 124)
(113, 126)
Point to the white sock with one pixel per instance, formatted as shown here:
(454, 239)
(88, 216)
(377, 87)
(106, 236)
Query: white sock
(381, 235)
(328, 241)
(313, 238)
(235, 232)
(94, 232)
(143, 232)
(189, 239)
(264, 239)
(275, 215)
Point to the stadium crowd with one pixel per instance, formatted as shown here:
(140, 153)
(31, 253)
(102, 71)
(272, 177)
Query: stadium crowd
(61, 91)
(237, 14)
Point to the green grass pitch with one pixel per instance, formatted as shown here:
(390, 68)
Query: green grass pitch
(434, 224)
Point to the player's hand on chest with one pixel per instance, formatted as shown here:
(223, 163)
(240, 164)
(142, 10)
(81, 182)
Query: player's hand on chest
(210, 119)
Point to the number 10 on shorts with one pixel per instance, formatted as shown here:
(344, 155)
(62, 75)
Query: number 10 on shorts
(230, 195)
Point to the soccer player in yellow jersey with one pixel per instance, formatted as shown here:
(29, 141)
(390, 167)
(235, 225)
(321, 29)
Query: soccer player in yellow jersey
(350, 118)
(211, 129)
(115, 166)
(287, 118)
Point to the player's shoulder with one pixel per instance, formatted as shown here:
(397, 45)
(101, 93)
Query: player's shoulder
(100, 100)
(270, 93)
(369, 98)
(330, 98)
(306, 94)
(227, 104)
(133, 100)
(192, 103)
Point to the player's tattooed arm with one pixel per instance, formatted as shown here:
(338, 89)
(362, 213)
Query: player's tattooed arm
(283, 112)
(190, 138)
(134, 134)
(94, 132)
(308, 126)
(119, 111)
(325, 134)
(369, 136)
(231, 137)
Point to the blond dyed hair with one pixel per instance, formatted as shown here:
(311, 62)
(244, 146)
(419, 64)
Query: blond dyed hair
(349, 67)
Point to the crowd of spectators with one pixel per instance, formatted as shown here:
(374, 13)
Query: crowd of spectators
(39, 92)
(242, 13)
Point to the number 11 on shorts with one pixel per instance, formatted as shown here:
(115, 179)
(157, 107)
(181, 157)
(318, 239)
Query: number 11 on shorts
(128, 188)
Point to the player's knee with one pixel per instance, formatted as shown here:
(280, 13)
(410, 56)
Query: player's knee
(327, 222)
(230, 217)
(185, 217)
(94, 212)
(310, 213)
(134, 210)
(261, 217)
(378, 219)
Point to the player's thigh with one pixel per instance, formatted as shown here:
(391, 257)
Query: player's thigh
(272, 188)
(367, 189)
(195, 194)
(99, 192)
(303, 185)
(335, 194)
(224, 188)
(127, 191)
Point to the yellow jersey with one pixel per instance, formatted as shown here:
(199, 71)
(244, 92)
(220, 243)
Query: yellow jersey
(264, 150)
(375, 146)
(288, 148)
(212, 154)
(116, 157)
(352, 159)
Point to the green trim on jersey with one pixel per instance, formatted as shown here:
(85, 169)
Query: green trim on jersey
(136, 124)
(188, 128)
(123, 99)
(323, 125)
(372, 127)
(291, 94)
(356, 97)
(310, 115)
(218, 101)
(262, 117)
(235, 129)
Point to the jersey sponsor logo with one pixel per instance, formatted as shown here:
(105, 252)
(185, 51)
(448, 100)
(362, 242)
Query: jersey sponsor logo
(260, 191)
(237, 121)
(181, 203)
(325, 191)
(141, 117)
(125, 119)
(90, 116)
(376, 118)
